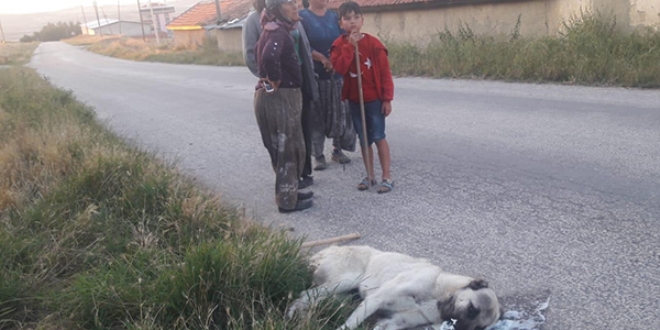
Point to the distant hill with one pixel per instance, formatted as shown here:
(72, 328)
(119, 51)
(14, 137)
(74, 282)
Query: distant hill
(16, 26)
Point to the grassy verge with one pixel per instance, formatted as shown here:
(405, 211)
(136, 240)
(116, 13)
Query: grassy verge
(139, 50)
(96, 234)
(16, 53)
(590, 51)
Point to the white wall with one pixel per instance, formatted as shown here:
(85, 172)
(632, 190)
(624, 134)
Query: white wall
(537, 18)
(131, 29)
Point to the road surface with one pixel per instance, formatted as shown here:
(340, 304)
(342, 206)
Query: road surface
(540, 189)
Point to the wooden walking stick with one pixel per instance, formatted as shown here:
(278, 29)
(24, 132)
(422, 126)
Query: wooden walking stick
(331, 240)
(365, 143)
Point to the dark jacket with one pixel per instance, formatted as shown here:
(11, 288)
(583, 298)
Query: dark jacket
(251, 33)
(276, 55)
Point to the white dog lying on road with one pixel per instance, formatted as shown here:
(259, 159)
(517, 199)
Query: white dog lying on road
(413, 291)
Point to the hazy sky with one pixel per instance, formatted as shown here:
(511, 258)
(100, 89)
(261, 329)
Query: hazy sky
(35, 6)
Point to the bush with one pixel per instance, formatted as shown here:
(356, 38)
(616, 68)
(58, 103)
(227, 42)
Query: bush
(590, 50)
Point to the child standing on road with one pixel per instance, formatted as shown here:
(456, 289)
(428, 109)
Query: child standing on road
(377, 87)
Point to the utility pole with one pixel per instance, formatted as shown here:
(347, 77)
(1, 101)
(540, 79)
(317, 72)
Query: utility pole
(119, 15)
(106, 20)
(96, 9)
(217, 9)
(2, 32)
(85, 19)
(153, 20)
(144, 38)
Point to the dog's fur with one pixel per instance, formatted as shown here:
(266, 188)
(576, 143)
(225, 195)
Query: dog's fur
(412, 291)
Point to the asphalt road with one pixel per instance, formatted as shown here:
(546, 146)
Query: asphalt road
(540, 189)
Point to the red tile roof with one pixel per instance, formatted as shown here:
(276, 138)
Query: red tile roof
(204, 13)
(235, 9)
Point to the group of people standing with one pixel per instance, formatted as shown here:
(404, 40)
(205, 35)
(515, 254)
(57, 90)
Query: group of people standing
(306, 91)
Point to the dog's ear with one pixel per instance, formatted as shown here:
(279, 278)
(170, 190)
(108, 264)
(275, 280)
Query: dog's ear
(478, 284)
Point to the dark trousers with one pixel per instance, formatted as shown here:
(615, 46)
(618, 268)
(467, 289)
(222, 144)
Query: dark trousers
(307, 133)
(279, 116)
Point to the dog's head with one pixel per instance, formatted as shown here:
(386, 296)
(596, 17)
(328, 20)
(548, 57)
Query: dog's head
(474, 307)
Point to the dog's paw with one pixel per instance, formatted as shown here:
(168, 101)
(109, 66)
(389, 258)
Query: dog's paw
(297, 307)
(291, 311)
(386, 324)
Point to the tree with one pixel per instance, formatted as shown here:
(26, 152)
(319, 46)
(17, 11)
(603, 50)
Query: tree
(55, 32)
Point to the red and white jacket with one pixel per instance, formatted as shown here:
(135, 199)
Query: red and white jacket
(373, 54)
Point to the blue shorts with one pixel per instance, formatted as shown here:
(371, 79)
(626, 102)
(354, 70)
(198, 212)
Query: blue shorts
(373, 112)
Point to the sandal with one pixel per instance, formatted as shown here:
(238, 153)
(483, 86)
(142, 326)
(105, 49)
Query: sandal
(364, 185)
(386, 186)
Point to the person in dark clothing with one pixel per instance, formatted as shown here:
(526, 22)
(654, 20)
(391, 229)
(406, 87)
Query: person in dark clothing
(251, 33)
(330, 116)
(278, 103)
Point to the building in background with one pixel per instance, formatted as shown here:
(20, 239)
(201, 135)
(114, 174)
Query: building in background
(419, 21)
(200, 23)
(163, 14)
(113, 26)
(192, 27)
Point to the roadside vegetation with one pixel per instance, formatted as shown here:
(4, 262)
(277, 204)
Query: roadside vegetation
(16, 53)
(97, 234)
(54, 32)
(590, 51)
(138, 50)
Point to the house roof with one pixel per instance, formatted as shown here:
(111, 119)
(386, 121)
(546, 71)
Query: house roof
(204, 13)
(233, 24)
(95, 24)
(106, 22)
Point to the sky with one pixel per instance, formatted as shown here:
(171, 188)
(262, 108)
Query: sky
(35, 6)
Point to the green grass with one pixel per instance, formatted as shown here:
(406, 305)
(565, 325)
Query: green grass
(96, 234)
(590, 51)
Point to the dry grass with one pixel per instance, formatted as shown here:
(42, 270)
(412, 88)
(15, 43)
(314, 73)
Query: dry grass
(16, 53)
(138, 50)
(129, 48)
(85, 40)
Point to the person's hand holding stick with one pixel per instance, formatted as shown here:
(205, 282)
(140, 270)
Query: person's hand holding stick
(354, 38)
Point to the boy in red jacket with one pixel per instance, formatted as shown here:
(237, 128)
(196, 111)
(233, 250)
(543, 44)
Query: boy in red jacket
(377, 87)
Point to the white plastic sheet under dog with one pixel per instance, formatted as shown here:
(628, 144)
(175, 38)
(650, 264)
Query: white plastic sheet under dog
(515, 319)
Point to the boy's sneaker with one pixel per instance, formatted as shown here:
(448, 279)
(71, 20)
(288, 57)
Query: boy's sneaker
(320, 163)
(339, 157)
